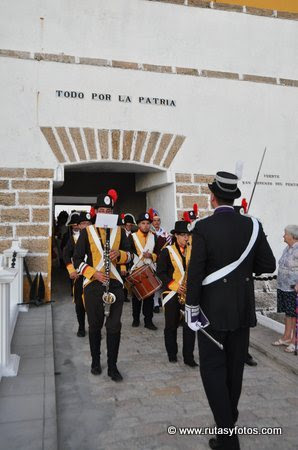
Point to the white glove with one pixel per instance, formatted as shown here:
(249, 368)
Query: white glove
(195, 318)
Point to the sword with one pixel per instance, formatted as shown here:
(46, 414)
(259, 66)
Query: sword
(205, 332)
(212, 338)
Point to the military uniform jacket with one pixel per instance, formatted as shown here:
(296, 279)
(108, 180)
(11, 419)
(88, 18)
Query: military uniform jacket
(68, 252)
(167, 269)
(86, 245)
(229, 303)
(143, 239)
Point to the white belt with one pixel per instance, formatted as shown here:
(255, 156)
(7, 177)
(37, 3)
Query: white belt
(230, 267)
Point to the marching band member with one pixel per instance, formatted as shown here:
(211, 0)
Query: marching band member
(77, 222)
(143, 243)
(191, 217)
(171, 269)
(93, 242)
(127, 221)
(163, 239)
(156, 223)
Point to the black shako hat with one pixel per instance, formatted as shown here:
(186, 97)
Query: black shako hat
(74, 218)
(104, 201)
(85, 217)
(107, 200)
(144, 216)
(225, 186)
(180, 227)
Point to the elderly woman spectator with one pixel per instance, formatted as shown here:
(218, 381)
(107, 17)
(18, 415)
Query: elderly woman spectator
(287, 287)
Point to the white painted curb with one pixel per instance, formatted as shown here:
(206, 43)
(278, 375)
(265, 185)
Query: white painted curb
(270, 323)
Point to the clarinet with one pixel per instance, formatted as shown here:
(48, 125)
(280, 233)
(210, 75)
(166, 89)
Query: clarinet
(108, 297)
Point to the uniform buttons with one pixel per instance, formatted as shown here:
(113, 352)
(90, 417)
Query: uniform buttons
(247, 279)
(225, 280)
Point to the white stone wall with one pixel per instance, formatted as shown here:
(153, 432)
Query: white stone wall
(203, 59)
(153, 33)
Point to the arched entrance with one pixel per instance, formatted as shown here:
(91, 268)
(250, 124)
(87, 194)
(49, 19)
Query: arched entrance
(139, 187)
(135, 162)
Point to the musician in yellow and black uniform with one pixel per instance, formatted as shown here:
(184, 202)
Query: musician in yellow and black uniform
(143, 245)
(89, 261)
(77, 222)
(171, 268)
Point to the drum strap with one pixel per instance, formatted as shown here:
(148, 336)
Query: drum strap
(149, 245)
(180, 267)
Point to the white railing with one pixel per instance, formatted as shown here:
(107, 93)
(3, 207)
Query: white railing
(17, 285)
(11, 294)
(8, 363)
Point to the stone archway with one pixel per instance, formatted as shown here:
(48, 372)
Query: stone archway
(74, 145)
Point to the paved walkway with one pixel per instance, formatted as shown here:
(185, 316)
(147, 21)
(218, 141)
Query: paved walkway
(28, 401)
(96, 413)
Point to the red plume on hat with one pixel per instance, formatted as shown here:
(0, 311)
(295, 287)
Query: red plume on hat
(113, 194)
(244, 205)
(195, 209)
(92, 212)
(151, 213)
(186, 217)
(122, 215)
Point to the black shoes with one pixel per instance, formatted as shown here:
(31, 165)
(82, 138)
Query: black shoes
(96, 369)
(135, 323)
(81, 332)
(230, 443)
(112, 373)
(215, 443)
(191, 363)
(172, 359)
(156, 309)
(151, 326)
(115, 374)
(250, 361)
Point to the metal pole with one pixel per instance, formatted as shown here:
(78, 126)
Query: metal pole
(252, 194)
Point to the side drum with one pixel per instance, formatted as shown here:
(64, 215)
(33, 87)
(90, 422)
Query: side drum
(144, 282)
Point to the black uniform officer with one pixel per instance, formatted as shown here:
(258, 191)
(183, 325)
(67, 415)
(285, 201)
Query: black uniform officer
(228, 301)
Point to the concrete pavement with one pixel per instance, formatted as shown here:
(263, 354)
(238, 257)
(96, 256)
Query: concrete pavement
(56, 402)
(28, 418)
(96, 413)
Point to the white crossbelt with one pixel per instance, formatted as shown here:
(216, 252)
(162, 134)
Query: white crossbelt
(230, 267)
(181, 268)
(99, 246)
(150, 247)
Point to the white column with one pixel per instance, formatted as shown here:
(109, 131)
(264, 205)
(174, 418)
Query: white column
(9, 363)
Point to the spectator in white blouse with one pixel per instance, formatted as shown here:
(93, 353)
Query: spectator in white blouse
(287, 287)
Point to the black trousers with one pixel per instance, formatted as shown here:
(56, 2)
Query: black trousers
(146, 305)
(222, 374)
(172, 319)
(78, 300)
(95, 310)
(95, 313)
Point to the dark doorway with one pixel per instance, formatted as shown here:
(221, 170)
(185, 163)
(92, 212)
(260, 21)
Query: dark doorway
(90, 184)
